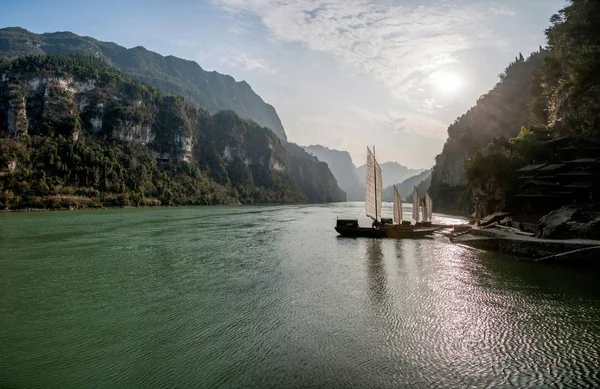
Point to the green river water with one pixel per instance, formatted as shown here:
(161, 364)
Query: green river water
(271, 297)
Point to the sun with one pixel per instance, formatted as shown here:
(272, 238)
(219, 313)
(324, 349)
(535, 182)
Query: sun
(446, 82)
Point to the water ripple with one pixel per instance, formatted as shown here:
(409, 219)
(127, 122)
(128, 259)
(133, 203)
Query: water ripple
(270, 297)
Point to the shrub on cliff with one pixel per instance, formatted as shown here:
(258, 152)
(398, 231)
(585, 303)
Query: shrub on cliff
(492, 172)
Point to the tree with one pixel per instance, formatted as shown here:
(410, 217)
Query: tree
(570, 79)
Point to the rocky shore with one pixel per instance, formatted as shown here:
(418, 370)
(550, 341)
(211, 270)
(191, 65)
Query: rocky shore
(567, 234)
(528, 247)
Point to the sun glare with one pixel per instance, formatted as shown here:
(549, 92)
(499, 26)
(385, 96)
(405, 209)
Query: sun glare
(446, 82)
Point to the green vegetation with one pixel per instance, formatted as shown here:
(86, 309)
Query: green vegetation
(568, 93)
(93, 137)
(313, 176)
(57, 172)
(172, 75)
(491, 171)
(499, 113)
(557, 87)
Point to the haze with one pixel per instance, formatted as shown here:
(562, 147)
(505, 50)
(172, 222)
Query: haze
(343, 74)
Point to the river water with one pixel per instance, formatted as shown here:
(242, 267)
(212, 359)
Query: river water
(272, 297)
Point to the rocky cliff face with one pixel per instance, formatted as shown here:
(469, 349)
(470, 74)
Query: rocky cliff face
(341, 165)
(36, 103)
(313, 176)
(450, 165)
(172, 75)
(210, 90)
(69, 96)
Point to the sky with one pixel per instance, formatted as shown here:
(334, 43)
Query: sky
(341, 73)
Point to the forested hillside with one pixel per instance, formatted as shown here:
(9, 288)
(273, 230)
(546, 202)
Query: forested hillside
(75, 131)
(341, 165)
(210, 90)
(557, 88)
(499, 113)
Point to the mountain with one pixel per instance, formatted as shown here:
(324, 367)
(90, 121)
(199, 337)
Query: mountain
(352, 179)
(422, 188)
(392, 173)
(559, 114)
(75, 131)
(498, 115)
(405, 188)
(313, 176)
(210, 90)
(341, 165)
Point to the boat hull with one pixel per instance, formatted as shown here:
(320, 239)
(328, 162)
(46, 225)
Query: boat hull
(393, 232)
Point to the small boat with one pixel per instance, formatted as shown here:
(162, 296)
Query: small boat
(394, 227)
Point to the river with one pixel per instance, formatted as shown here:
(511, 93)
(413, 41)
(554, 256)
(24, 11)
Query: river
(272, 297)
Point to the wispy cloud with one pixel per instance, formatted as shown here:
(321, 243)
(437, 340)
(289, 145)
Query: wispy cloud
(399, 45)
(387, 53)
(399, 122)
(499, 10)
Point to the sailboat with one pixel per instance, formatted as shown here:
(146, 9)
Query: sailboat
(381, 227)
(425, 208)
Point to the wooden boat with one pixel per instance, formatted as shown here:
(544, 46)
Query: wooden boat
(350, 228)
(395, 227)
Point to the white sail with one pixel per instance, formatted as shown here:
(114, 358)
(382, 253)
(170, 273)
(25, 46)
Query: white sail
(373, 190)
(424, 211)
(429, 205)
(416, 201)
(397, 207)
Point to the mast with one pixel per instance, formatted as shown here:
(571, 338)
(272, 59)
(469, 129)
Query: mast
(375, 175)
(397, 206)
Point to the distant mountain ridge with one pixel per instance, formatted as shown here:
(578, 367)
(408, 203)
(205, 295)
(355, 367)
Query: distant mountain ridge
(210, 90)
(392, 172)
(341, 165)
(422, 181)
(351, 179)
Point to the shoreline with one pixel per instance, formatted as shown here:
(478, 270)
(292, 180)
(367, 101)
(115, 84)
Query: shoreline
(62, 209)
(529, 247)
(21, 210)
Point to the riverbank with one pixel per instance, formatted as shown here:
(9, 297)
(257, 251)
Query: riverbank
(74, 208)
(529, 247)
(100, 207)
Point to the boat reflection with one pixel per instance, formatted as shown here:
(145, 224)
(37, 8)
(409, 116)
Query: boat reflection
(377, 278)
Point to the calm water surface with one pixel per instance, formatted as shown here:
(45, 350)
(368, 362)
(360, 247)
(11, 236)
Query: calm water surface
(271, 297)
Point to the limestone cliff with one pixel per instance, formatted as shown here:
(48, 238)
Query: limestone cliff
(37, 103)
(210, 90)
(64, 102)
(341, 165)
(313, 176)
